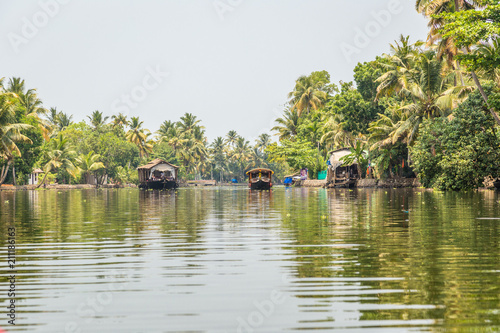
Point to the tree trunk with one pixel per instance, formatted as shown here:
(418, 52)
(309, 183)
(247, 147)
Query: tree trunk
(14, 175)
(5, 171)
(43, 180)
(476, 80)
(485, 98)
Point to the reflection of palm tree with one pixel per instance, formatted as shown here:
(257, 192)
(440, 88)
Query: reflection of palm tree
(10, 133)
(288, 124)
(60, 157)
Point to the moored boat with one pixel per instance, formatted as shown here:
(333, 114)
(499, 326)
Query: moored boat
(158, 175)
(260, 178)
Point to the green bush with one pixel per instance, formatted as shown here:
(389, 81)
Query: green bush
(457, 154)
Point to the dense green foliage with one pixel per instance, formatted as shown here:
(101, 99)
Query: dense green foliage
(409, 112)
(457, 154)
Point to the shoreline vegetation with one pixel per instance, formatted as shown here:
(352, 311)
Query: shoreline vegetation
(427, 110)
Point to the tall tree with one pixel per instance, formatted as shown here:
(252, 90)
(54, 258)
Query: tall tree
(97, 119)
(59, 156)
(139, 136)
(308, 94)
(89, 163)
(10, 133)
(287, 125)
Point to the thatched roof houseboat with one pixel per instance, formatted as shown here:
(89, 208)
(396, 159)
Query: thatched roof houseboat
(158, 174)
(339, 175)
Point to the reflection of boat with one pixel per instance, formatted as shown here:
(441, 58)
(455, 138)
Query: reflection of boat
(260, 179)
(158, 175)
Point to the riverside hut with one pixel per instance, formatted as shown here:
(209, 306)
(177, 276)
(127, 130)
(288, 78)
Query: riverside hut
(158, 174)
(339, 175)
(33, 180)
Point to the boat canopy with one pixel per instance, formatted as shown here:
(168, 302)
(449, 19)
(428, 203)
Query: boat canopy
(261, 170)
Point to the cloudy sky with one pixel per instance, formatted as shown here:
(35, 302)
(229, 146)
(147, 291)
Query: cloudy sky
(229, 62)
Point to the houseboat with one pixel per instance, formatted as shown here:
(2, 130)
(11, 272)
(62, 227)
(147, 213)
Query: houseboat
(338, 174)
(260, 179)
(158, 175)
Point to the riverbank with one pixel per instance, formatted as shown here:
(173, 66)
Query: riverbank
(5, 187)
(366, 183)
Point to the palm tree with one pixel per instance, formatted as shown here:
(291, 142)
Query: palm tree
(166, 131)
(446, 47)
(242, 152)
(307, 95)
(139, 136)
(334, 133)
(97, 120)
(218, 152)
(10, 133)
(263, 141)
(431, 8)
(357, 155)
(89, 163)
(16, 85)
(188, 122)
(120, 120)
(59, 156)
(490, 50)
(64, 120)
(398, 68)
(429, 97)
(231, 137)
(288, 124)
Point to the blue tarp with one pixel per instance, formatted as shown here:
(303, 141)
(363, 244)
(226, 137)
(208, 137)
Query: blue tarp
(288, 181)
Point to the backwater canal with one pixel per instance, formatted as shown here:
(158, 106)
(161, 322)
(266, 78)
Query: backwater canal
(226, 259)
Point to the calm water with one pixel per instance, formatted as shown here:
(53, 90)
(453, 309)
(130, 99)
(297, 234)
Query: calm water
(231, 260)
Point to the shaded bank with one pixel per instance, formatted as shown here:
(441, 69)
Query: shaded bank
(60, 187)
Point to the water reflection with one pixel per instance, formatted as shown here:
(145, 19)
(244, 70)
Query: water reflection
(233, 260)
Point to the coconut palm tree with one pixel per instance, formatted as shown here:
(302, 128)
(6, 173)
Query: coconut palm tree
(307, 95)
(241, 153)
(431, 8)
(218, 152)
(231, 138)
(64, 120)
(334, 134)
(398, 68)
(10, 133)
(16, 85)
(139, 136)
(59, 156)
(97, 119)
(288, 124)
(89, 163)
(167, 131)
(188, 122)
(262, 142)
(119, 121)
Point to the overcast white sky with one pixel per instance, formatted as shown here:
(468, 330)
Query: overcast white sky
(229, 62)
